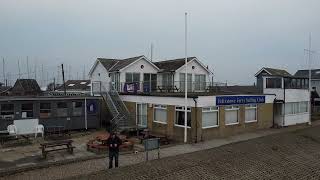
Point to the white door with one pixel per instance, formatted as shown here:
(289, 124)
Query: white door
(142, 115)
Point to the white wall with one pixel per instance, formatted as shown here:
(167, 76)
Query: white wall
(203, 101)
(174, 101)
(136, 68)
(104, 76)
(297, 95)
(296, 119)
(291, 95)
(197, 70)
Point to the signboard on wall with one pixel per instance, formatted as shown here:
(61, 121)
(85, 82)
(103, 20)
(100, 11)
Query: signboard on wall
(91, 107)
(234, 100)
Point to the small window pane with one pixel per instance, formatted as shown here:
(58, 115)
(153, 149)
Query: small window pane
(231, 117)
(209, 119)
(273, 82)
(7, 110)
(45, 110)
(160, 115)
(27, 110)
(62, 110)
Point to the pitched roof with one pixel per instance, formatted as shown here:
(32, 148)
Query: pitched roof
(274, 72)
(30, 85)
(315, 73)
(4, 89)
(117, 64)
(76, 85)
(172, 65)
(107, 63)
(123, 63)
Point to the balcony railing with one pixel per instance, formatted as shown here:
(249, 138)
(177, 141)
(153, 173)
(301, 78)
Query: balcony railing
(163, 86)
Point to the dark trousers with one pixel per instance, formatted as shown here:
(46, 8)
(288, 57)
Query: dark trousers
(115, 155)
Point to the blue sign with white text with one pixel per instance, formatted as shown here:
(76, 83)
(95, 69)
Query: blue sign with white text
(231, 100)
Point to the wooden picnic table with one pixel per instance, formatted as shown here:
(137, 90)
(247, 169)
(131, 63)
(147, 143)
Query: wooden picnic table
(147, 134)
(56, 146)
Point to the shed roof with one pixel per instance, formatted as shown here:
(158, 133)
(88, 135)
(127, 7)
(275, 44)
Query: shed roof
(29, 85)
(79, 85)
(274, 72)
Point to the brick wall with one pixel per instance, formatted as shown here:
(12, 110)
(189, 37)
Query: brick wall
(196, 133)
(265, 120)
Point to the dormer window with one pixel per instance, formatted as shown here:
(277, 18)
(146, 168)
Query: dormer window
(274, 83)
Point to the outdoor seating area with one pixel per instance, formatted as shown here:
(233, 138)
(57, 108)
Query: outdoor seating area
(99, 143)
(56, 146)
(146, 134)
(25, 127)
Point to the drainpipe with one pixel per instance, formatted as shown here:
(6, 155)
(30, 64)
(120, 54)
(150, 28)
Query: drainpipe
(196, 119)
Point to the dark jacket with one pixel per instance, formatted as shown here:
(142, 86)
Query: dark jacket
(114, 141)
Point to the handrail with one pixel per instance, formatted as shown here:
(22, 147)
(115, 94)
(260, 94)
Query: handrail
(113, 105)
(113, 89)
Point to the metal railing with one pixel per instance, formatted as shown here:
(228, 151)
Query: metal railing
(165, 86)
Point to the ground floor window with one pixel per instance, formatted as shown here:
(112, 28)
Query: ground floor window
(210, 117)
(77, 108)
(251, 113)
(27, 110)
(142, 115)
(296, 107)
(62, 109)
(160, 113)
(7, 111)
(179, 121)
(231, 115)
(45, 110)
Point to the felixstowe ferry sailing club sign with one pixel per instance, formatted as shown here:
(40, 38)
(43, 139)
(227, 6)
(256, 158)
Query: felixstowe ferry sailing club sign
(231, 100)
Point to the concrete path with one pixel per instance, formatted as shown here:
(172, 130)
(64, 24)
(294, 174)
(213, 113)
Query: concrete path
(96, 165)
(290, 155)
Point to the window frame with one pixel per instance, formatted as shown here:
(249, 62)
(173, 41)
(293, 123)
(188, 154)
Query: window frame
(162, 107)
(65, 109)
(49, 113)
(233, 108)
(131, 74)
(198, 84)
(211, 109)
(13, 111)
(273, 78)
(182, 109)
(79, 109)
(32, 110)
(251, 106)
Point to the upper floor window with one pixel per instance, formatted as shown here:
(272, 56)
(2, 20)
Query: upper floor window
(273, 83)
(295, 83)
(132, 77)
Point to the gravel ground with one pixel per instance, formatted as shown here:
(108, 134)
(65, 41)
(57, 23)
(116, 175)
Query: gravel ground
(294, 155)
(274, 156)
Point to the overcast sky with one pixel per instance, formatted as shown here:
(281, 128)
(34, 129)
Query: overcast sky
(234, 37)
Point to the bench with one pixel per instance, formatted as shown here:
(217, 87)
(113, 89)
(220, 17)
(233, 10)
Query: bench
(56, 146)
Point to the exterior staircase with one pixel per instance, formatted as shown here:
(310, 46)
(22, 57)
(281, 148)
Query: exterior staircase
(122, 119)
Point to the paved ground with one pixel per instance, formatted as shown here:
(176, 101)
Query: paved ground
(294, 155)
(222, 160)
(23, 153)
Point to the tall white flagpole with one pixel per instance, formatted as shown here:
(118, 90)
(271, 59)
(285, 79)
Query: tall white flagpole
(186, 86)
(309, 64)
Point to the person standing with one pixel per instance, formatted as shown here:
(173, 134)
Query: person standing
(113, 143)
